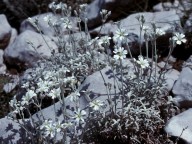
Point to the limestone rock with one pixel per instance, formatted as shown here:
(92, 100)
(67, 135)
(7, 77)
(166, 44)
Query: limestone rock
(21, 52)
(5, 32)
(12, 132)
(44, 26)
(182, 88)
(181, 122)
(170, 77)
(164, 20)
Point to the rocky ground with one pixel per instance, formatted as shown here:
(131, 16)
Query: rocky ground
(16, 55)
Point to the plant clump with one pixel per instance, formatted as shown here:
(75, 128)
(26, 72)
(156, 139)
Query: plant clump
(137, 110)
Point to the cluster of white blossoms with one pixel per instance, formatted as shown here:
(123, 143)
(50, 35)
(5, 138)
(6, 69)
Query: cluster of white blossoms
(16, 106)
(55, 93)
(149, 31)
(27, 97)
(104, 40)
(50, 128)
(74, 97)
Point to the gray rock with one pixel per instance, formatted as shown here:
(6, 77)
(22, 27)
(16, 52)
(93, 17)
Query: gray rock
(20, 52)
(164, 20)
(93, 10)
(7, 88)
(11, 132)
(180, 7)
(74, 38)
(95, 82)
(5, 32)
(188, 62)
(181, 124)
(164, 6)
(44, 26)
(170, 77)
(14, 34)
(161, 65)
(182, 88)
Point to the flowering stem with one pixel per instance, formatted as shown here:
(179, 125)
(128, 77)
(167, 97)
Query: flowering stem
(63, 109)
(155, 48)
(109, 97)
(170, 52)
(140, 40)
(123, 92)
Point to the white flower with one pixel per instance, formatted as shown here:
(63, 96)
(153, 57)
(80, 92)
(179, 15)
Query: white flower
(179, 38)
(120, 53)
(58, 126)
(13, 102)
(83, 7)
(50, 131)
(103, 12)
(48, 128)
(129, 94)
(142, 62)
(47, 74)
(66, 23)
(104, 40)
(79, 115)
(55, 93)
(68, 124)
(74, 96)
(28, 96)
(16, 105)
(159, 32)
(43, 86)
(96, 104)
(120, 35)
(25, 85)
(93, 41)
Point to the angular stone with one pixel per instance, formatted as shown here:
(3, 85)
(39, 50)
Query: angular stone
(5, 32)
(12, 132)
(20, 52)
(164, 20)
(182, 88)
(7, 88)
(118, 9)
(181, 126)
(44, 26)
(170, 77)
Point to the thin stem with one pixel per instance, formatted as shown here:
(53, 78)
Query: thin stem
(123, 92)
